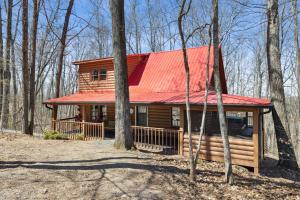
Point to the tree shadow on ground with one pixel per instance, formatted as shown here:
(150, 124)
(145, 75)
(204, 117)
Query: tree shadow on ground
(7, 163)
(165, 168)
(270, 168)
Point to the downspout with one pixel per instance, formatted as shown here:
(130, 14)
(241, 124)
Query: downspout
(261, 128)
(47, 106)
(53, 123)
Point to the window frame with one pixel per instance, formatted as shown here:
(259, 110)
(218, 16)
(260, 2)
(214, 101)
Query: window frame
(93, 75)
(172, 117)
(94, 112)
(101, 74)
(144, 114)
(104, 112)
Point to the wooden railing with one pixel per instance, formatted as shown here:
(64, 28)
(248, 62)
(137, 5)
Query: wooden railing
(165, 140)
(76, 129)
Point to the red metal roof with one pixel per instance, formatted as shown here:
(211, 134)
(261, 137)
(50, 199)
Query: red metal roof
(160, 78)
(164, 71)
(151, 97)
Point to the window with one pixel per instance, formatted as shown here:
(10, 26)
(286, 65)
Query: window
(142, 116)
(212, 126)
(98, 113)
(240, 124)
(94, 112)
(94, 75)
(103, 74)
(175, 116)
(104, 112)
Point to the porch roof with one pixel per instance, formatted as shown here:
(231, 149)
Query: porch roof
(150, 97)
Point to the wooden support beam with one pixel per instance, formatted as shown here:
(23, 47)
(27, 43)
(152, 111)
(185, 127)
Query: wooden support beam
(53, 119)
(181, 142)
(182, 117)
(256, 142)
(83, 120)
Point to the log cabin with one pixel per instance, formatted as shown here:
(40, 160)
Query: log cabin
(157, 106)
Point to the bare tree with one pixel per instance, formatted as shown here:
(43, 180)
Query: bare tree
(123, 138)
(14, 72)
(25, 65)
(286, 152)
(62, 47)
(297, 49)
(134, 28)
(1, 61)
(259, 55)
(7, 74)
(182, 12)
(218, 88)
(205, 97)
(32, 96)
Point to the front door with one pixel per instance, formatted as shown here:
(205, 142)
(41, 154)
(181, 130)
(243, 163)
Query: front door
(142, 116)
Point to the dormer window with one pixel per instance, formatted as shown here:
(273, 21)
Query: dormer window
(95, 75)
(103, 74)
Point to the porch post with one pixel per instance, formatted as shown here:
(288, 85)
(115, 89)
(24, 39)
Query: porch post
(256, 141)
(181, 140)
(180, 149)
(53, 119)
(83, 119)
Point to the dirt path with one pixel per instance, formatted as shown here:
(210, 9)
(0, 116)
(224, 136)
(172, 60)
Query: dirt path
(33, 168)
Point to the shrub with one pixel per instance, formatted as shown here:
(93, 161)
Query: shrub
(80, 136)
(54, 135)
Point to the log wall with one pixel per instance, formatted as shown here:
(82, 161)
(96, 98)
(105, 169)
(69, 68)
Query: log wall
(160, 116)
(85, 82)
(242, 150)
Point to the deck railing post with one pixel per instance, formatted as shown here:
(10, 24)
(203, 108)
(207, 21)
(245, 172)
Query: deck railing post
(102, 124)
(180, 141)
(83, 129)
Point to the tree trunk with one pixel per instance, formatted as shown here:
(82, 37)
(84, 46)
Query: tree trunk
(1, 62)
(123, 138)
(182, 13)
(297, 49)
(25, 65)
(218, 88)
(6, 75)
(14, 75)
(205, 97)
(35, 19)
(286, 152)
(258, 70)
(61, 54)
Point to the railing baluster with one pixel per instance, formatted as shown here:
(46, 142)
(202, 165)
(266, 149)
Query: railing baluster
(155, 137)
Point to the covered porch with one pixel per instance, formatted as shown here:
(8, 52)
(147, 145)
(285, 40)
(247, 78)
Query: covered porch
(158, 122)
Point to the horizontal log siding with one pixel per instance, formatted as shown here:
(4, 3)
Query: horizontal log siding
(159, 116)
(85, 82)
(242, 151)
(111, 116)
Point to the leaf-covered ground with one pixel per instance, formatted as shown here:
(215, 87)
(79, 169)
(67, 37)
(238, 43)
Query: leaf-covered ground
(33, 168)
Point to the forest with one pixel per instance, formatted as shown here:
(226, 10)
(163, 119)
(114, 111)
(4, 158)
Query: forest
(41, 39)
